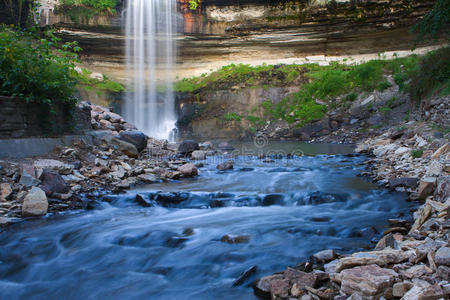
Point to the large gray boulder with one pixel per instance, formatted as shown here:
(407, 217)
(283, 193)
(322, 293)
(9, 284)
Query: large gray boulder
(125, 147)
(52, 182)
(187, 147)
(35, 203)
(188, 170)
(134, 137)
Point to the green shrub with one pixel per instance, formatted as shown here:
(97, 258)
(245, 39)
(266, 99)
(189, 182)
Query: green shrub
(417, 153)
(101, 5)
(432, 72)
(232, 116)
(37, 70)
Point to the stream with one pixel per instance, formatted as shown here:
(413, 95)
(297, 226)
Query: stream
(194, 237)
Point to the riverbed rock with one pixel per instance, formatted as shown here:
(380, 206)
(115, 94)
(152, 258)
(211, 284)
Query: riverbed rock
(5, 191)
(35, 203)
(228, 165)
(408, 182)
(442, 256)
(325, 255)
(52, 164)
(235, 239)
(401, 288)
(125, 147)
(134, 137)
(198, 155)
(426, 187)
(188, 170)
(380, 258)
(148, 178)
(188, 146)
(370, 282)
(27, 180)
(421, 292)
(441, 151)
(52, 182)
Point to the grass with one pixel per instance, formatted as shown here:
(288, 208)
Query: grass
(335, 85)
(105, 85)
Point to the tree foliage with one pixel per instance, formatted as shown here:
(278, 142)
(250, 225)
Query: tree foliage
(436, 22)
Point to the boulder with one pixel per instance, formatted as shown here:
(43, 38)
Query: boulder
(273, 284)
(188, 170)
(5, 191)
(325, 255)
(407, 182)
(35, 203)
(187, 147)
(426, 187)
(401, 288)
(421, 292)
(134, 137)
(148, 178)
(125, 147)
(225, 146)
(52, 182)
(442, 256)
(27, 180)
(381, 258)
(235, 239)
(53, 164)
(228, 165)
(198, 155)
(369, 282)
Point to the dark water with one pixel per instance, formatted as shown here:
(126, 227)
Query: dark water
(287, 210)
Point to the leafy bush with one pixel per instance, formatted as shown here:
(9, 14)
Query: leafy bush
(232, 116)
(101, 5)
(37, 70)
(417, 153)
(432, 73)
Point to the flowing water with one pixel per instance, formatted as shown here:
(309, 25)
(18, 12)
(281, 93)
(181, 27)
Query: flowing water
(150, 51)
(173, 244)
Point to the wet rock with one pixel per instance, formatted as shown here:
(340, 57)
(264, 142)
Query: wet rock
(381, 258)
(27, 180)
(52, 182)
(187, 147)
(125, 147)
(148, 178)
(245, 276)
(401, 288)
(35, 203)
(274, 284)
(426, 187)
(369, 281)
(442, 256)
(325, 255)
(198, 155)
(5, 191)
(134, 137)
(385, 242)
(188, 170)
(228, 165)
(408, 182)
(235, 239)
(225, 146)
(273, 199)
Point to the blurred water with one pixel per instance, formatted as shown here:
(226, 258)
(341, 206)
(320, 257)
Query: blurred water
(287, 209)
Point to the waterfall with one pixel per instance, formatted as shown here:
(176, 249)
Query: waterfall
(150, 52)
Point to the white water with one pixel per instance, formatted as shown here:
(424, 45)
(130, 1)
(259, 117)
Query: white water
(150, 52)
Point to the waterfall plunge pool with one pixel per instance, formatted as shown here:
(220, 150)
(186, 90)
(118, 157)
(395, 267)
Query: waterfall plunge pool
(200, 234)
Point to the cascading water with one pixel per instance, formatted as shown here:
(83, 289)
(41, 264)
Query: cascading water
(150, 51)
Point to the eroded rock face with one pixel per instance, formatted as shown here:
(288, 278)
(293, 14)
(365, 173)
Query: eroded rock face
(369, 281)
(35, 203)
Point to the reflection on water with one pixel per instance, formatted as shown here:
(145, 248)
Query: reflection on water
(170, 244)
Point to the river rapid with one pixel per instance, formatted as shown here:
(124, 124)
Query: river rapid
(191, 239)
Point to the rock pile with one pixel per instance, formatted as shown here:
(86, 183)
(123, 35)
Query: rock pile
(116, 157)
(411, 261)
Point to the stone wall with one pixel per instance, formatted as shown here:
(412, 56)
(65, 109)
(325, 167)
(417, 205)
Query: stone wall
(19, 119)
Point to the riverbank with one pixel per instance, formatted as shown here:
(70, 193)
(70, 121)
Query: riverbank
(411, 260)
